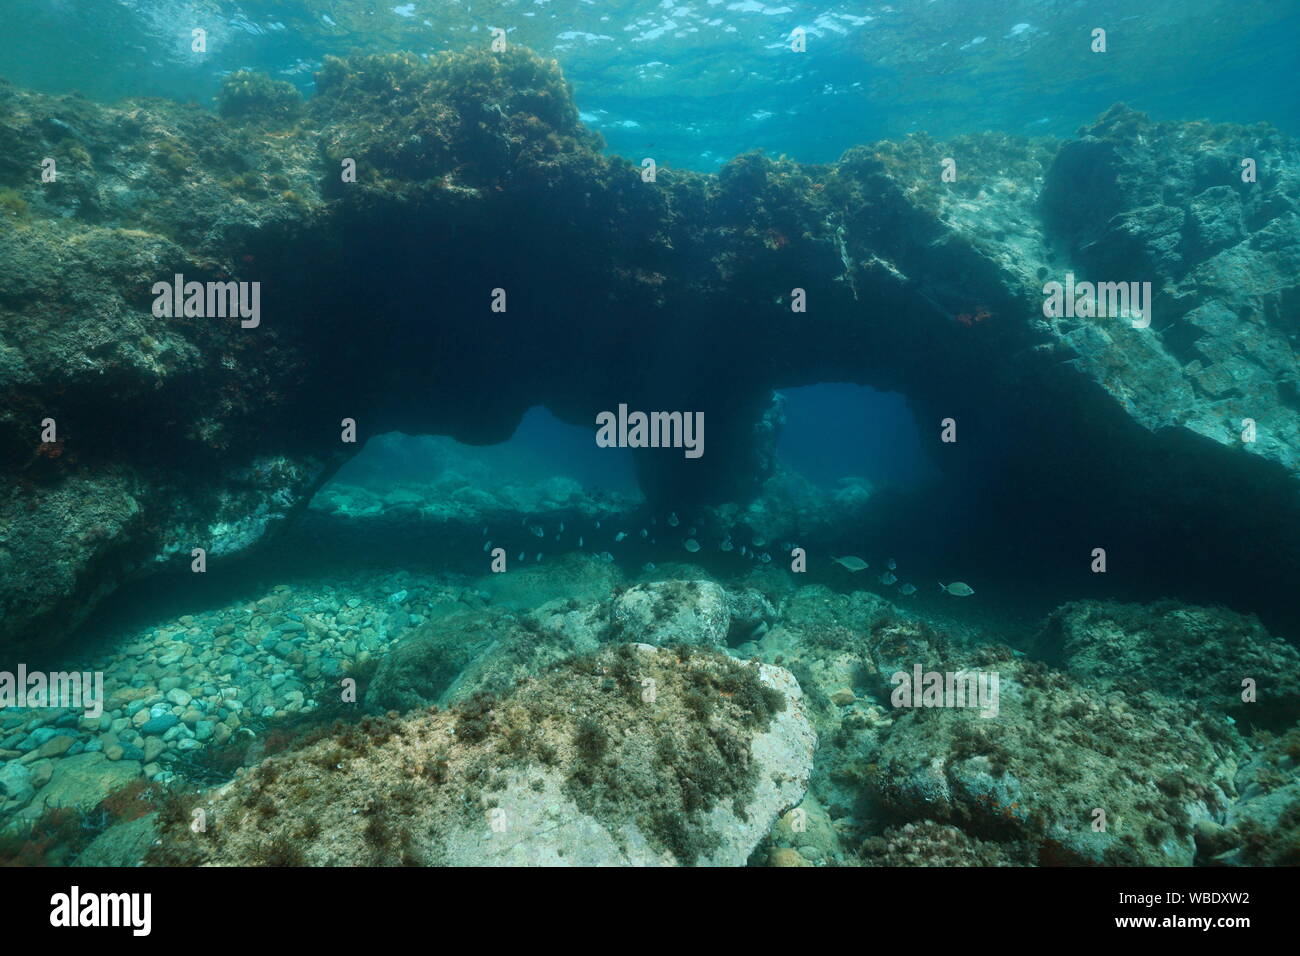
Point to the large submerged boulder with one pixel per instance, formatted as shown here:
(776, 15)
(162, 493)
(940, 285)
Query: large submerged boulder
(693, 612)
(632, 756)
(1084, 805)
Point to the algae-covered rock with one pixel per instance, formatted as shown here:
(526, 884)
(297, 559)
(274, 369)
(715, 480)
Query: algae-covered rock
(529, 584)
(421, 668)
(81, 782)
(673, 612)
(1075, 774)
(1213, 656)
(467, 652)
(123, 844)
(1262, 827)
(938, 844)
(751, 614)
(245, 93)
(633, 755)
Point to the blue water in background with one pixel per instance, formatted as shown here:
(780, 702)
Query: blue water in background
(693, 82)
(541, 447)
(836, 431)
(831, 432)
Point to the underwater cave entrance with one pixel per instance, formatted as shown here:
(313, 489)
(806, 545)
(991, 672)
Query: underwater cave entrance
(410, 502)
(541, 448)
(433, 503)
(834, 431)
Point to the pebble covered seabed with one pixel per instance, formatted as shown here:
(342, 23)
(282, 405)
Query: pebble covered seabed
(202, 679)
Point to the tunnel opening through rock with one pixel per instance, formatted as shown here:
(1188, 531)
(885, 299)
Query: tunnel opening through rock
(834, 431)
(541, 448)
(699, 293)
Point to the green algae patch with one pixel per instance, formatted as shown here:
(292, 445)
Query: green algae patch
(668, 763)
(512, 112)
(256, 96)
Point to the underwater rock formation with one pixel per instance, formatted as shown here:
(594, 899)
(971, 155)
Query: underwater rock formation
(605, 760)
(1057, 753)
(1182, 769)
(670, 612)
(1177, 780)
(936, 844)
(482, 651)
(473, 173)
(1262, 828)
(421, 670)
(1212, 656)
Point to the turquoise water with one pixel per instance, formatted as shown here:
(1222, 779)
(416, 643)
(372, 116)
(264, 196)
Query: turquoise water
(697, 82)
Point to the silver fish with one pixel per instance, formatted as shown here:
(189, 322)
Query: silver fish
(907, 590)
(893, 565)
(888, 578)
(852, 563)
(957, 589)
(620, 536)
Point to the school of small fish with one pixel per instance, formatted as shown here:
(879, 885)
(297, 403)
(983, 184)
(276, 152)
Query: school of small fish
(850, 562)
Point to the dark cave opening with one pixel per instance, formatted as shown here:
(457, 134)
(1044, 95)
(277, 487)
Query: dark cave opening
(839, 430)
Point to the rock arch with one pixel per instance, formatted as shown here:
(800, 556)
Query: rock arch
(475, 174)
